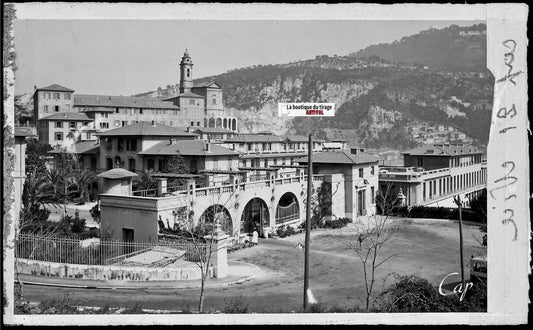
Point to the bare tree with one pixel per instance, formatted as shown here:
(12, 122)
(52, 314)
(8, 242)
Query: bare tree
(203, 236)
(367, 238)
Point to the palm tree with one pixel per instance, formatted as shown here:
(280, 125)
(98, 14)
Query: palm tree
(146, 181)
(83, 179)
(37, 191)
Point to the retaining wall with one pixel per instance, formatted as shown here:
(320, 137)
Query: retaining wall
(124, 273)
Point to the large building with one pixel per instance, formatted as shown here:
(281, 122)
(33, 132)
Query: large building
(355, 179)
(432, 175)
(197, 105)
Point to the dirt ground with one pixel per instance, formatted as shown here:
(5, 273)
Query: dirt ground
(428, 248)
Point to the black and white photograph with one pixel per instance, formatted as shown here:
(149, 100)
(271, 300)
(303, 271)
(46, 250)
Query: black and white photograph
(212, 168)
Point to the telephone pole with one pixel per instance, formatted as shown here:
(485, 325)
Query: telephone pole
(457, 201)
(308, 217)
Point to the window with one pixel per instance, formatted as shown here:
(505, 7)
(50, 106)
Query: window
(372, 172)
(59, 124)
(141, 111)
(372, 194)
(250, 146)
(171, 123)
(109, 144)
(120, 144)
(188, 72)
(68, 107)
(192, 123)
(72, 124)
(197, 123)
(108, 163)
(117, 110)
(67, 96)
(93, 163)
(104, 125)
(215, 163)
(124, 123)
(45, 108)
(191, 101)
(59, 136)
(131, 165)
(56, 96)
(361, 172)
(151, 164)
(47, 96)
(214, 101)
(117, 123)
(56, 108)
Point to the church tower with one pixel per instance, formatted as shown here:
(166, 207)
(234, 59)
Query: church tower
(186, 73)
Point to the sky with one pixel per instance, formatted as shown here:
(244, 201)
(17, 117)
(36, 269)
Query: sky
(125, 57)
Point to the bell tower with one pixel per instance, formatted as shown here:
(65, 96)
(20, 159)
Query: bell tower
(186, 73)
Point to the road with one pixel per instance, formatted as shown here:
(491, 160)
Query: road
(427, 248)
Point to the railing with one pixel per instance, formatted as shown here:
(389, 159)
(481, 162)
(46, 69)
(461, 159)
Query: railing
(95, 252)
(287, 213)
(145, 193)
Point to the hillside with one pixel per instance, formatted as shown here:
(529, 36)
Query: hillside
(381, 103)
(455, 49)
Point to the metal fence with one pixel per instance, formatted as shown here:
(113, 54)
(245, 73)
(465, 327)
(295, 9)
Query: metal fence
(95, 252)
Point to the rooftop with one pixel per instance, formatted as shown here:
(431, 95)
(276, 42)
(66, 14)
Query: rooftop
(144, 128)
(340, 157)
(210, 83)
(83, 147)
(55, 88)
(116, 173)
(81, 100)
(443, 150)
(72, 116)
(215, 130)
(187, 148)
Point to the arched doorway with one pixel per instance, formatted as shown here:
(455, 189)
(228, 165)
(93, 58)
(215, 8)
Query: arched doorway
(255, 216)
(211, 122)
(234, 125)
(288, 208)
(219, 123)
(225, 123)
(218, 213)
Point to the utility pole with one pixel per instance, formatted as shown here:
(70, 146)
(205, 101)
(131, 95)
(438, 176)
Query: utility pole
(457, 201)
(308, 217)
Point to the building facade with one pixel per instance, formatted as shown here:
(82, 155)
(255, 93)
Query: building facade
(58, 128)
(432, 175)
(197, 105)
(355, 183)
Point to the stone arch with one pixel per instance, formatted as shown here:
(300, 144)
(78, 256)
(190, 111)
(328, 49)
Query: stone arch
(219, 122)
(234, 124)
(225, 123)
(255, 216)
(288, 208)
(211, 122)
(221, 215)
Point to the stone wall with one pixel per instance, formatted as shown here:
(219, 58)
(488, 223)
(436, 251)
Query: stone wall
(117, 273)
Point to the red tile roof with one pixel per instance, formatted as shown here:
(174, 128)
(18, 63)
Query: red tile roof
(443, 150)
(187, 148)
(55, 88)
(144, 128)
(72, 116)
(340, 157)
(83, 147)
(121, 102)
(117, 173)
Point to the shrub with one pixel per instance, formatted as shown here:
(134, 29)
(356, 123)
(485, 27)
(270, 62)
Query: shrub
(410, 294)
(236, 306)
(337, 223)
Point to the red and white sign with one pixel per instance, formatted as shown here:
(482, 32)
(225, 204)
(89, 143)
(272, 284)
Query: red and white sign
(306, 109)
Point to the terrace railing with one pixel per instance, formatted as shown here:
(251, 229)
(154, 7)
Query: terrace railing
(95, 252)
